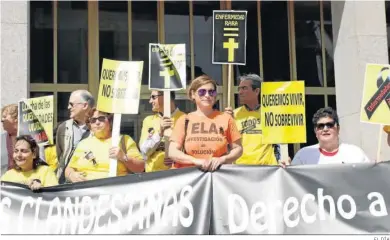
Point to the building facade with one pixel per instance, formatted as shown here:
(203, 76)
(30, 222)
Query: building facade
(57, 47)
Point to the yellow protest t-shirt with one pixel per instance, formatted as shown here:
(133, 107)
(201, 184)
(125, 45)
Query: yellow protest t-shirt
(150, 126)
(51, 157)
(254, 152)
(43, 173)
(99, 151)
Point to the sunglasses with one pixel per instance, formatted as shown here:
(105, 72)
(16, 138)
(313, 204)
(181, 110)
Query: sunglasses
(100, 118)
(155, 96)
(202, 92)
(321, 126)
(72, 104)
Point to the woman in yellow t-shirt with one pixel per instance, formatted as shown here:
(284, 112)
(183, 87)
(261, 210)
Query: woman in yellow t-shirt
(91, 159)
(29, 169)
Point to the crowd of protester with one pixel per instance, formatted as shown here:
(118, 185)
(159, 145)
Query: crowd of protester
(205, 138)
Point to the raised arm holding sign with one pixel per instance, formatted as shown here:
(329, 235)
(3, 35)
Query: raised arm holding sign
(119, 93)
(167, 73)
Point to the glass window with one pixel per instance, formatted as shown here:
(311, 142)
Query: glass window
(274, 21)
(328, 41)
(313, 103)
(308, 43)
(144, 31)
(252, 41)
(72, 42)
(41, 42)
(177, 28)
(40, 94)
(203, 35)
(332, 101)
(129, 124)
(62, 106)
(236, 101)
(113, 31)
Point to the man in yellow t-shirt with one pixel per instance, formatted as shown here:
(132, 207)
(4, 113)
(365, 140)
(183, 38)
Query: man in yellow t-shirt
(248, 120)
(152, 142)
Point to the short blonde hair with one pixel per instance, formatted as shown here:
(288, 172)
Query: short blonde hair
(11, 109)
(198, 82)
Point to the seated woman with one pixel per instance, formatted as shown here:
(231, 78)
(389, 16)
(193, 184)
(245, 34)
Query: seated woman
(206, 133)
(91, 159)
(29, 169)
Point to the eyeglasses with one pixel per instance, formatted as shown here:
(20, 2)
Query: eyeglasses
(244, 88)
(72, 104)
(100, 118)
(155, 96)
(202, 92)
(321, 126)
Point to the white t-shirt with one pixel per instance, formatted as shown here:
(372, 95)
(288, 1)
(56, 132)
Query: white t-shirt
(347, 153)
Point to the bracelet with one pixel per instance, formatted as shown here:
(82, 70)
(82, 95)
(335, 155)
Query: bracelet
(126, 158)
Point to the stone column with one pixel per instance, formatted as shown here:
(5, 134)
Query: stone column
(14, 51)
(359, 37)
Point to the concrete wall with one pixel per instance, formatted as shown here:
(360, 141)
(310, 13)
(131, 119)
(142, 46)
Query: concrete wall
(14, 51)
(359, 37)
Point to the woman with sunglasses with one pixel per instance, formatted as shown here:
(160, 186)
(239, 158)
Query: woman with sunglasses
(29, 169)
(204, 137)
(91, 159)
(329, 149)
